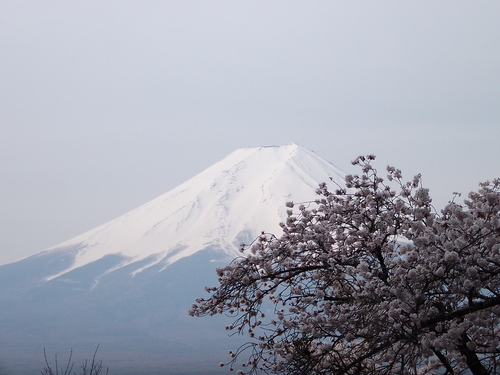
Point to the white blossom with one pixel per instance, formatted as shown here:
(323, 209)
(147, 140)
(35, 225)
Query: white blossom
(349, 299)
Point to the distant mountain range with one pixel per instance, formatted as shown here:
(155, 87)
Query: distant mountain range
(128, 283)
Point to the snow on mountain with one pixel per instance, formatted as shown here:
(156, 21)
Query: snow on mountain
(229, 203)
(105, 286)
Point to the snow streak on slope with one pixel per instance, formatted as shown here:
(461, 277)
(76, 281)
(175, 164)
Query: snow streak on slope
(229, 203)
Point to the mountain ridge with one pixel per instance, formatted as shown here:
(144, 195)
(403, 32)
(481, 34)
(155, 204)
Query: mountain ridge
(128, 284)
(195, 212)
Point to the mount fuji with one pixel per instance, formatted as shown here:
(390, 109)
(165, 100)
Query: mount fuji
(128, 284)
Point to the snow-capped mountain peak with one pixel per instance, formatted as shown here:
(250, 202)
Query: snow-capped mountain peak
(105, 285)
(229, 203)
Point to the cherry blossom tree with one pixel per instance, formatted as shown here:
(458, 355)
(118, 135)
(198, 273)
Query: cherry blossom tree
(369, 279)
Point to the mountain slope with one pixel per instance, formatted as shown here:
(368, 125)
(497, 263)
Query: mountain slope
(229, 203)
(128, 283)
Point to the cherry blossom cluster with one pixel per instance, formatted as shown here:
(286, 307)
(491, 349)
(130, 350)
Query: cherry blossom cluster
(369, 279)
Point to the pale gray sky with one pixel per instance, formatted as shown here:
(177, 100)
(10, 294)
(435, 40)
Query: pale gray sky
(105, 105)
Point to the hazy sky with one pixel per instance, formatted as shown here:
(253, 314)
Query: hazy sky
(105, 105)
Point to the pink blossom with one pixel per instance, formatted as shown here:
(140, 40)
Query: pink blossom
(347, 298)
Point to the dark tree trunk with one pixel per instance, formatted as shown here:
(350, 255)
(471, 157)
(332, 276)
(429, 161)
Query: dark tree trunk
(471, 357)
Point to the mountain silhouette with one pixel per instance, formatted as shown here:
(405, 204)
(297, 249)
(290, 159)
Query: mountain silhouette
(128, 284)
